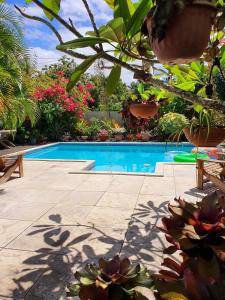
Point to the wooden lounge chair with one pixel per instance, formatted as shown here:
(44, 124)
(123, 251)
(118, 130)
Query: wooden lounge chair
(9, 165)
(211, 170)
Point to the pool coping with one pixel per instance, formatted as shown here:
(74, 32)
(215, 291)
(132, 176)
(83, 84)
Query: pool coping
(159, 169)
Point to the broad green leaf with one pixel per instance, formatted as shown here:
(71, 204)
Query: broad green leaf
(124, 9)
(110, 3)
(27, 1)
(54, 5)
(137, 19)
(81, 69)
(113, 31)
(82, 43)
(187, 86)
(118, 27)
(197, 67)
(198, 108)
(113, 80)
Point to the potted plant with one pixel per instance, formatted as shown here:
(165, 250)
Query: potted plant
(145, 136)
(119, 133)
(94, 127)
(130, 137)
(103, 135)
(172, 124)
(35, 136)
(139, 137)
(145, 107)
(82, 128)
(207, 129)
(179, 31)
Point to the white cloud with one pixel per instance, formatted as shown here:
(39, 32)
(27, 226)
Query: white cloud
(45, 56)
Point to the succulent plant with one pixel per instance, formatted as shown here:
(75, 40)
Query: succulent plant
(115, 279)
(197, 229)
(190, 280)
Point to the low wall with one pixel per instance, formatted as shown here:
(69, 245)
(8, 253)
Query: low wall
(104, 115)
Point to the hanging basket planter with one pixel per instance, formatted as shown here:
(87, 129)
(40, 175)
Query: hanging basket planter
(144, 111)
(201, 137)
(186, 36)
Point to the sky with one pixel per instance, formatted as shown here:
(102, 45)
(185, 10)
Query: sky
(43, 42)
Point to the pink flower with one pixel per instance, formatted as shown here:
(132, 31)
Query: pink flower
(60, 73)
(89, 86)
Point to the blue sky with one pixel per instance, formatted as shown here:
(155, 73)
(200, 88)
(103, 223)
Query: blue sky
(43, 42)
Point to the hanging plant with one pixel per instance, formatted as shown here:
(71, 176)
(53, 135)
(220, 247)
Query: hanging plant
(179, 30)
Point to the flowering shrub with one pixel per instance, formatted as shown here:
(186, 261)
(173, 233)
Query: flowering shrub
(77, 101)
(59, 109)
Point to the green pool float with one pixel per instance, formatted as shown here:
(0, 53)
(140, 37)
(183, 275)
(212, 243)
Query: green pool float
(189, 157)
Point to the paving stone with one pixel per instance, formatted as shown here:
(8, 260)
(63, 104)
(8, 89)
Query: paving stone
(87, 242)
(118, 200)
(19, 271)
(77, 198)
(23, 210)
(10, 229)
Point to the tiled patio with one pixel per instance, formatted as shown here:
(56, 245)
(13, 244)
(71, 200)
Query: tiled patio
(52, 222)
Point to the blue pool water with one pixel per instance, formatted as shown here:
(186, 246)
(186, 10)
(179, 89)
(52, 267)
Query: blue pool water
(113, 157)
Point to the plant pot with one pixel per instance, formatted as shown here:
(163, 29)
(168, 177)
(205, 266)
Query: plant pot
(145, 137)
(144, 111)
(202, 138)
(118, 137)
(103, 138)
(33, 141)
(84, 138)
(130, 137)
(187, 35)
(139, 137)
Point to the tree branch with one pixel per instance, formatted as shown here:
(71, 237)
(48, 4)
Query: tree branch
(53, 29)
(38, 19)
(59, 19)
(91, 16)
(189, 96)
(146, 77)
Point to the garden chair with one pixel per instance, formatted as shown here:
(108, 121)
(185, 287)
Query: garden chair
(9, 165)
(211, 170)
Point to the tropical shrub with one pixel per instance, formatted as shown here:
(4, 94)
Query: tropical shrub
(15, 64)
(173, 123)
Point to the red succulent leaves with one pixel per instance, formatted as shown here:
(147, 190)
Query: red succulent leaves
(110, 280)
(197, 229)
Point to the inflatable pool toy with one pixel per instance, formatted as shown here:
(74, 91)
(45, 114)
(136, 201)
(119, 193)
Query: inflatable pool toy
(211, 152)
(189, 157)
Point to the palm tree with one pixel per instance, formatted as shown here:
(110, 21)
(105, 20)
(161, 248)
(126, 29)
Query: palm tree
(14, 61)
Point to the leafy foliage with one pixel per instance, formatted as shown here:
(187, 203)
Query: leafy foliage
(173, 123)
(114, 279)
(14, 65)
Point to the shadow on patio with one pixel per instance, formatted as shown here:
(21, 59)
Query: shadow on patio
(66, 248)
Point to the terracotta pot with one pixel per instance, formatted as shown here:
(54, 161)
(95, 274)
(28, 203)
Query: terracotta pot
(84, 138)
(145, 137)
(187, 35)
(144, 111)
(118, 137)
(202, 138)
(103, 138)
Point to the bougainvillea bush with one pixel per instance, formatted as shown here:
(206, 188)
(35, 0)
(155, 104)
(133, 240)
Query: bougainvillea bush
(60, 110)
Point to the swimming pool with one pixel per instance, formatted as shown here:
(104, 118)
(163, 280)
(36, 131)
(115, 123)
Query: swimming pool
(113, 157)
